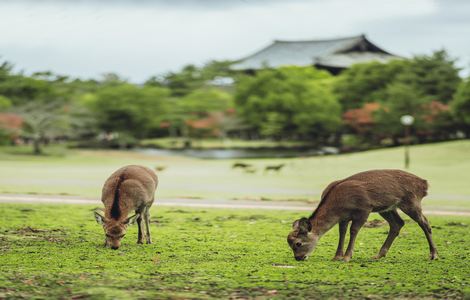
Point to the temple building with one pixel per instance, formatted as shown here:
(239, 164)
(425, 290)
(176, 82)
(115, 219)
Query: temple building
(333, 55)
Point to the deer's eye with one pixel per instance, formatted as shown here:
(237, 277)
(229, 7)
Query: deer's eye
(298, 244)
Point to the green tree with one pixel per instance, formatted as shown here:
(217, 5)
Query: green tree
(435, 75)
(45, 121)
(128, 109)
(367, 82)
(206, 100)
(400, 99)
(460, 106)
(197, 104)
(289, 101)
(5, 103)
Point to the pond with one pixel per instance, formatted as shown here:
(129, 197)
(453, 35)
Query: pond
(240, 153)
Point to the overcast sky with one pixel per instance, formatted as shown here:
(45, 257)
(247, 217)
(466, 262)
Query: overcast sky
(137, 39)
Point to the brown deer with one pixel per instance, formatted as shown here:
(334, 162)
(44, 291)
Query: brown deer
(275, 168)
(352, 200)
(131, 188)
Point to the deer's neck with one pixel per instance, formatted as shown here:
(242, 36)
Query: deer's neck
(322, 221)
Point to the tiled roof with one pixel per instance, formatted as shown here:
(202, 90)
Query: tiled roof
(340, 52)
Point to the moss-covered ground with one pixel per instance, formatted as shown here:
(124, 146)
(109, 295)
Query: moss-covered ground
(56, 251)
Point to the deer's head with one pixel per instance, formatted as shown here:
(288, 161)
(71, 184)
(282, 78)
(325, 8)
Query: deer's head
(114, 229)
(301, 239)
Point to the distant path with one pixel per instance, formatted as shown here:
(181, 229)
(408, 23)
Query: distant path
(199, 203)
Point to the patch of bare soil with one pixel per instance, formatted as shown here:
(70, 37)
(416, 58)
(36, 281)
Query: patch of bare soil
(50, 235)
(375, 223)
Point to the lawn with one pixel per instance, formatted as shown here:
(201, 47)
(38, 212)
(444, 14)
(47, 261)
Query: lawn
(82, 172)
(52, 251)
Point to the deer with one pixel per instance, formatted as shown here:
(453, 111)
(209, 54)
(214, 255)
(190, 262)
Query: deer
(275, 168)
(352, 200)
(241, 165)
(129, 189)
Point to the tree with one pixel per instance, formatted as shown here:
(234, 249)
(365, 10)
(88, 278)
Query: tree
(435, 75)
(460, 106)
(185, 81)
(289, 101)
(45, 121)
(365, 83)
(128, 109)
(198, 104)
(5, 103)
(400, 99)
(206, 100)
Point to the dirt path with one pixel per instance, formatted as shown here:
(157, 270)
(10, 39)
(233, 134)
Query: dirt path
(198, 203)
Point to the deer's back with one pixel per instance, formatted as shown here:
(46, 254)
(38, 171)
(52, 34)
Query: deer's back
(377, 190)
(135, 185)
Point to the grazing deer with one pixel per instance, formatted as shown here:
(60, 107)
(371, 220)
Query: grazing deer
(353, 199)
(131, 188)
(275, 168)
(241, 165)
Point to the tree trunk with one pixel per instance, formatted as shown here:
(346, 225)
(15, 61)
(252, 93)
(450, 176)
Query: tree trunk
(37, 146)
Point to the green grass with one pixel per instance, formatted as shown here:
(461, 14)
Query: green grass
(445, 165)
(50, 251)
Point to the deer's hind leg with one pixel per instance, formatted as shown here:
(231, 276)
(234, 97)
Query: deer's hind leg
(413, 209)
(396, 223)
(139, 229)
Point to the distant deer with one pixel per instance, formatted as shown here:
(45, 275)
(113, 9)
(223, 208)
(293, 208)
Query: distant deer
(130, 188)
(353, 199)
(241, 165)
(275, 168)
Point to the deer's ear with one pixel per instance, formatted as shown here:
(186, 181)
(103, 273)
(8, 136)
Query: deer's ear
(99, 217)
(295, 225)
(131, 220)
(305, 225)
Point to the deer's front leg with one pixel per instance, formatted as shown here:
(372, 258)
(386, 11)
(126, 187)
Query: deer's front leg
(357, 222)
(139, 230)
(343, 227)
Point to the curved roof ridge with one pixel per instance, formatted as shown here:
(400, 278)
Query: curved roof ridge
(361, 36)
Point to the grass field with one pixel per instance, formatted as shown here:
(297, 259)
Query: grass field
(445, 165)
(54, 251)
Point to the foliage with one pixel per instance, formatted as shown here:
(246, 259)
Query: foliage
(460, 105)
(435, 76)
(191, 77)
(204, 100)
(289, 101)
(43, 122)
(214, 254)
(400, 99)
(127, 108)
(5, 103)
(367, 82)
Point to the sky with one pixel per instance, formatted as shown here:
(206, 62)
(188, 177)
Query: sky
(141, 38)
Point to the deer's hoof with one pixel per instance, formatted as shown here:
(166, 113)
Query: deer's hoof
(338, 257)
(378, 256)
(346, 258)
(433, 256)
(139, 242)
